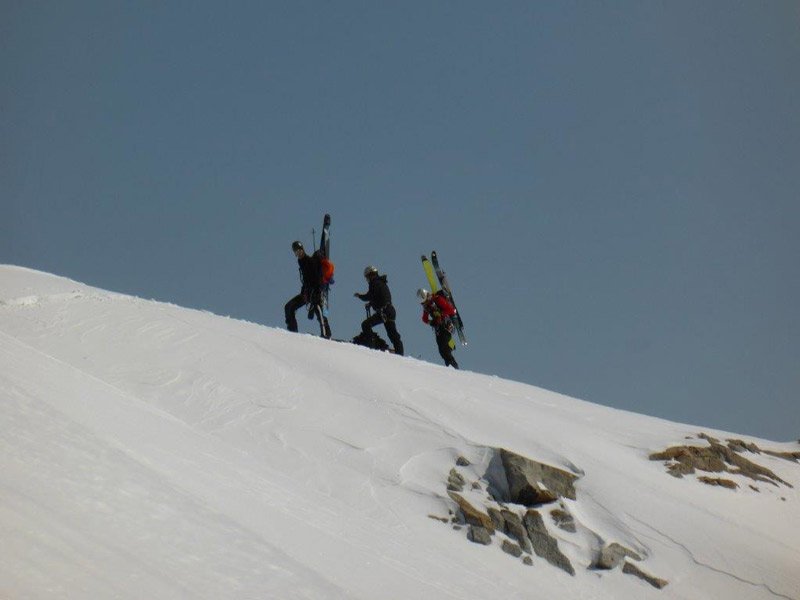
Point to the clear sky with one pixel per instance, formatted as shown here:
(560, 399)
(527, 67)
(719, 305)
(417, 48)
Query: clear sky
(613, 187)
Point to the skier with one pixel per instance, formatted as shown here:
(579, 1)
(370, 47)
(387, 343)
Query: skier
(437, 312)
(379, 298)
(311, 277)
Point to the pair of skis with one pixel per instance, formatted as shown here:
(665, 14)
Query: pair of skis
(321, 309)
(437, 279)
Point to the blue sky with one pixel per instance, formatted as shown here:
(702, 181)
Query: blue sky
(613, 187)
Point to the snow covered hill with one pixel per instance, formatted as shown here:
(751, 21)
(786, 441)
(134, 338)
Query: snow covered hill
(152, 451)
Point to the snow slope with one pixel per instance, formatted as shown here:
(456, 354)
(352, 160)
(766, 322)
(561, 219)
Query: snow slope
(152, 451)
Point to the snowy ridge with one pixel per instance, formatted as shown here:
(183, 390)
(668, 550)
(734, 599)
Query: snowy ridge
(154, 451)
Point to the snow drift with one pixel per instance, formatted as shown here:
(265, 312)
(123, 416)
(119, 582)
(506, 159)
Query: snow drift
(152, 451)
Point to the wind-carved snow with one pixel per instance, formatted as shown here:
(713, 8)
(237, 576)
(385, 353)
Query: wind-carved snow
(153, 451)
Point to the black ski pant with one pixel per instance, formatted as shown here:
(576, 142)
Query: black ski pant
(443, 339)
(386, 316)
(298, 301)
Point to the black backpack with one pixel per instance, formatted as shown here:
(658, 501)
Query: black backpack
(372, 340)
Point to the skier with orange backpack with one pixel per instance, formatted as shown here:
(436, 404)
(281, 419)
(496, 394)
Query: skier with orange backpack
(311, 290)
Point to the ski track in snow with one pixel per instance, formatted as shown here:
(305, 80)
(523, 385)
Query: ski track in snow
(705, 565)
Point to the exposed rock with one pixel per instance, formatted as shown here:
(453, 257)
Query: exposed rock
(755, 489)
(514, 528)
(527, 560)
(497, 518)
(689, 458)
(632, 569)
(531, 483)
(442, 519)
(455, 481)
(792, 456)
(544, 545)
(479, 535)
(716, 458)
(563, 520)
(613, 555)
(476, 486)
(495, 494)
(473, 515)
(511, 548)
(726, 483)
(708, 438)
(740, 446)
(462, 462)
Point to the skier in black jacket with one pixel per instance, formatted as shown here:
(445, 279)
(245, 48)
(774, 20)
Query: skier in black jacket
(379, 299)
(310, 291)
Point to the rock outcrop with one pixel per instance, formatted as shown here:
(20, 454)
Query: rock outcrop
(532, 483)
(613, 555)
(473, 515)
(631, 569)
(717, 458)
(509, 503)
(545, 545)
(513, 528)
(563, 520)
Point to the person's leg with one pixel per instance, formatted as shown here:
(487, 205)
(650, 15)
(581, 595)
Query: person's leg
(370, 322)
(394, 337)
(445, 351)
(388, 317)
(290, 309)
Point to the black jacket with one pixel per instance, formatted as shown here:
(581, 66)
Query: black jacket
(310, 272)
(378, 294)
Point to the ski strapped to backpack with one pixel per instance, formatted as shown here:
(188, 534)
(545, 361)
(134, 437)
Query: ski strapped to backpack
(429, 273)
(326, 276)
(441, 276)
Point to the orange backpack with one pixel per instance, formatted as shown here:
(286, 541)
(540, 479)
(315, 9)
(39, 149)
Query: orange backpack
(327, 271)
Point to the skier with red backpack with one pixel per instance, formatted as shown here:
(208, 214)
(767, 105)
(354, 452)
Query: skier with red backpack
(437, 311)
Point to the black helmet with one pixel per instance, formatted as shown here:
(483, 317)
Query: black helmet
(370, 271)
(297, 246)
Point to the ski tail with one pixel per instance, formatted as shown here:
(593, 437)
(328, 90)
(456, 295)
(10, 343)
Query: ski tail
(325, 252)
(442, 277)
(429, 273)
(325, 237)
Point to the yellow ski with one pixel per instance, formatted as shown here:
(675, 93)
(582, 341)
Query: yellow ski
(429, 273)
